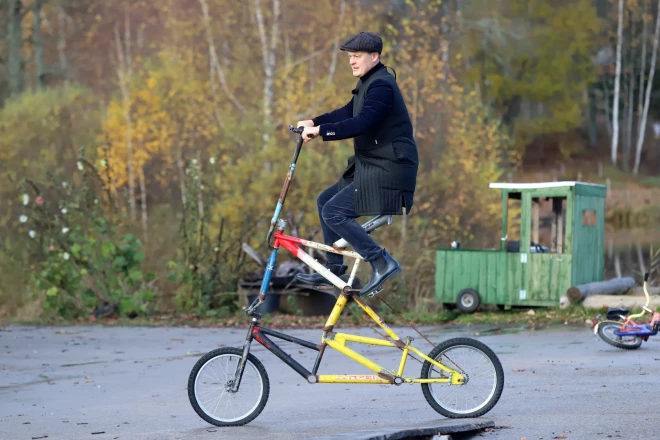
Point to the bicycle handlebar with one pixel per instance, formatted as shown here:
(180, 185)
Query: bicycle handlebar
(298, 130)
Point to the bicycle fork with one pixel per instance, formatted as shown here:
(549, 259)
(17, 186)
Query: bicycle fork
(238, 374)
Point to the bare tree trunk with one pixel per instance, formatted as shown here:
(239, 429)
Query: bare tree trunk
(608, 117)
(214, 62)
(287, 76)
(143, 206)
(335, 51)
(592, 127)
(629, 106)
(124, 75)
(61, 43)
(15, 64)
(617, 86)
(200, 198)
(642, 72)
(182, 173)
(38, 44)
(268, 53)
(312, 76)
(647, 99)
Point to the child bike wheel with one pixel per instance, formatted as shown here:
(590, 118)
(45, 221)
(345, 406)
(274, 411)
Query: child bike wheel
(210, 382)
(606, 332)
(482, 370)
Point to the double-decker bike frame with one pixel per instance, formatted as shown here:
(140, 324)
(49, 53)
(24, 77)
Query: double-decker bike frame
(218, 379)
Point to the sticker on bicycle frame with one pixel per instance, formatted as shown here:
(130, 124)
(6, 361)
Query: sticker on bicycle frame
(356, 377)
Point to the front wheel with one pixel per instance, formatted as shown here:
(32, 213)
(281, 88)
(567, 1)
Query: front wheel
(484, 379)
(606, 332)
(210, 388)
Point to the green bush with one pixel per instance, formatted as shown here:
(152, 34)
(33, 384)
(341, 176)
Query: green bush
(84, 263)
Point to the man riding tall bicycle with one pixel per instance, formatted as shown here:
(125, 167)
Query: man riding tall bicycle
(381, 176)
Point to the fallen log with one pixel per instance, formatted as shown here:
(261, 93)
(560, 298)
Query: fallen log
(628, 301)
(614, 286)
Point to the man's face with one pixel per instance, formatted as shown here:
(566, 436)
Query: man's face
(362, 62)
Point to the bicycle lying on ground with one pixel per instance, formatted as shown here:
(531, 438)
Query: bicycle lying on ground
(623, 332)
(460, 377)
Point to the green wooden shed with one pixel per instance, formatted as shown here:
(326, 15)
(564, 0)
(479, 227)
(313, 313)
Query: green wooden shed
(525, 272)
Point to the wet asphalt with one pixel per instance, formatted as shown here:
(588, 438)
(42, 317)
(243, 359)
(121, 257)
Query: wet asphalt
(94, 382)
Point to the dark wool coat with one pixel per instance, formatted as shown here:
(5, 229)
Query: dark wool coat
(384, 166)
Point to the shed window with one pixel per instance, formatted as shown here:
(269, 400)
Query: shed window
(589, 217)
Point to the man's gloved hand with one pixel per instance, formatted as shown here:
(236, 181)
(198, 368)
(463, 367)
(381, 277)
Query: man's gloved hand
(310, 133)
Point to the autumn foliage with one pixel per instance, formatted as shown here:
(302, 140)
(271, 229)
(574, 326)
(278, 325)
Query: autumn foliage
(180, 108)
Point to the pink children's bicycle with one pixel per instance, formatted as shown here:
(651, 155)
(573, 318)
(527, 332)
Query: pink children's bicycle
(623, 332)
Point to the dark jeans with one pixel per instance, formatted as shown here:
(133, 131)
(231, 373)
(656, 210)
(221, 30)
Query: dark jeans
(337, 215)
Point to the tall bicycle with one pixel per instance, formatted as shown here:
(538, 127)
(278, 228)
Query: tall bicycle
(460, 377)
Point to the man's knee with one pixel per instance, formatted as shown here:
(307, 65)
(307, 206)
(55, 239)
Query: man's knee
(325, 197)
(330, 216)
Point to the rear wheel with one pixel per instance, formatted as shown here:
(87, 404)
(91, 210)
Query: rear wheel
(606, 332)
(211, 381)
(484, 379)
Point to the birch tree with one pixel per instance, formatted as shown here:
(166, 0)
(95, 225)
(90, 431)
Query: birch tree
(268, 51)
(124, 67)
(617, 85)
(647, 98)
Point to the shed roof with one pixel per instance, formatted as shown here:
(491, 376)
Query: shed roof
(540, 185)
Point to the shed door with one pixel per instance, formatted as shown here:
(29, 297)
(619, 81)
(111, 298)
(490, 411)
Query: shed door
(549, 277)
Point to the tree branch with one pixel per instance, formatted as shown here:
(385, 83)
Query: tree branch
(215, 63)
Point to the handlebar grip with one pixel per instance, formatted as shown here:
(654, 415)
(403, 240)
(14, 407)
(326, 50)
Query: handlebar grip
(646, 277)
(297, 130)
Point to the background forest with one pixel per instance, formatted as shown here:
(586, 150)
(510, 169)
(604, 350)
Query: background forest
(143, 143)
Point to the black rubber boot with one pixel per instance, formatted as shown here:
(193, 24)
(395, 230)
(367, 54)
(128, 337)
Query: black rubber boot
(384, 267)
(316, 279)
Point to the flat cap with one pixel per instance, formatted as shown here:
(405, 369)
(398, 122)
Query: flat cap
(363, 42)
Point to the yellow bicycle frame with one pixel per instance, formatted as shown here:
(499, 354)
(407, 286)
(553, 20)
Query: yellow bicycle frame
(337, 341)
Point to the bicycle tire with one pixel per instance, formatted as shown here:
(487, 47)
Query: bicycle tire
(614, 340)
(254, 369)
(435, 397)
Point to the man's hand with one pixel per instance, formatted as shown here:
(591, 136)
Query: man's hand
(307, 123)
(310, 133)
